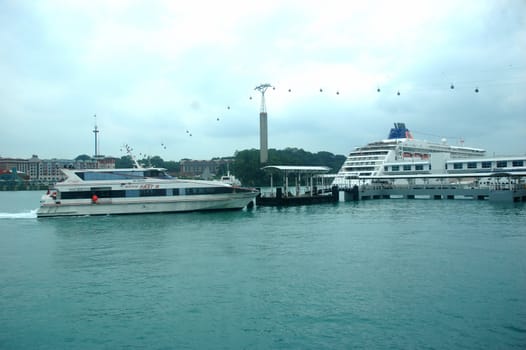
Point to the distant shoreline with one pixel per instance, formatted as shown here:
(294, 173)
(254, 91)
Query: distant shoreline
(22, 186)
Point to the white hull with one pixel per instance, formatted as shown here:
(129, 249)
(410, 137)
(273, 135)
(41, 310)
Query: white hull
(119, 206)
(137, 191)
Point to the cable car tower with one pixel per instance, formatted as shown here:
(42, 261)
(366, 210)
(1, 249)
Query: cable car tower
(263, 131)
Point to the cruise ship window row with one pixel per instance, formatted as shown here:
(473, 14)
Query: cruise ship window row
(360, 163)
(485, 164)
(363, 168)
(367, 158)
(361, 154)
(362, 159)
(407, 167)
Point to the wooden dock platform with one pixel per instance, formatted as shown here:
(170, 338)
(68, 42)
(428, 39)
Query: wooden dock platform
(280, 199)
(317, 190)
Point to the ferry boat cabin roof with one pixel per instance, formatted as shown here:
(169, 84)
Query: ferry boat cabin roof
(117, 174)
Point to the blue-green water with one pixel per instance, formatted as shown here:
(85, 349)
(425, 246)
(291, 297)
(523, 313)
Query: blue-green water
(397, 274)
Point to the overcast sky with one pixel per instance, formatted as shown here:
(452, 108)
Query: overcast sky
(156, 72)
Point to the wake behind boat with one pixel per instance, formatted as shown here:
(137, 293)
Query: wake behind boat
(138, 191)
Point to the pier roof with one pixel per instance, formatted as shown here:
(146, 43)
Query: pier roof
(301, 169)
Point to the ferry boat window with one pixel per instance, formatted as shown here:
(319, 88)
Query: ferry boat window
(113, 175)
(386, 168)
(407, 167)
(151, 173)
(457, 165)
(153, 192)
(102, 192)
(486, 165)
(472, 165)
(419, 167)
(89, 194)
(517, 163)
(155, 173)
(395, 168)
(502, 163)
(117, 194)
(75, 195)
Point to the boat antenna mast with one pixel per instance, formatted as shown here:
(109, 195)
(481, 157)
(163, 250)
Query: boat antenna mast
(129, 151)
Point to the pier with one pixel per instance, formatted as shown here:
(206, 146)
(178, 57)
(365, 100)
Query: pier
(316, 189)
(495, 187)
(504, 187)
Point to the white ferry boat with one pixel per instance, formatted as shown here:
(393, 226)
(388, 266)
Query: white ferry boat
(230, 179)
(138, 191)
(400, 156)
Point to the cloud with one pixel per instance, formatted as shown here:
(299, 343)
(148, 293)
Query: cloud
(151, 70)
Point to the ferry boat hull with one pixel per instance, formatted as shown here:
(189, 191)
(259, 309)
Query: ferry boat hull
(138, 191)
(110, 206)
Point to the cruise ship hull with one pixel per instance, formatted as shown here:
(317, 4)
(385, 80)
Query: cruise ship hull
(400, 159)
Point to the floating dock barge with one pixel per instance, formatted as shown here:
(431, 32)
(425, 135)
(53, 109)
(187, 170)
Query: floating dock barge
(316, 191)
(495, 187)
(506, 187)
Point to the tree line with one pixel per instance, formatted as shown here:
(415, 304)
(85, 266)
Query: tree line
(155, 161)
(246, 166)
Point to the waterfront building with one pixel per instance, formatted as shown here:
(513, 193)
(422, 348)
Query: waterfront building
(48, 170)
(204, 169)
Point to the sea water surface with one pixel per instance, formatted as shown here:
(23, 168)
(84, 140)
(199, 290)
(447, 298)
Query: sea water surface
(397, 274)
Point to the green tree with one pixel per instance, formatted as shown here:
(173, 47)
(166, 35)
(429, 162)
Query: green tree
(247, 168)
(221, 169)
(157, 162)
(124, 162)
(172, 167)
(83, 157)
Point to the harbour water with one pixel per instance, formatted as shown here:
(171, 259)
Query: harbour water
(397, 274)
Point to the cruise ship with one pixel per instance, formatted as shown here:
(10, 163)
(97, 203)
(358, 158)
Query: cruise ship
(400, 156)
(138, 191)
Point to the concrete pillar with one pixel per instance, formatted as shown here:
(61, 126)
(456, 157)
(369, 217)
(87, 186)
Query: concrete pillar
(263, 138)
